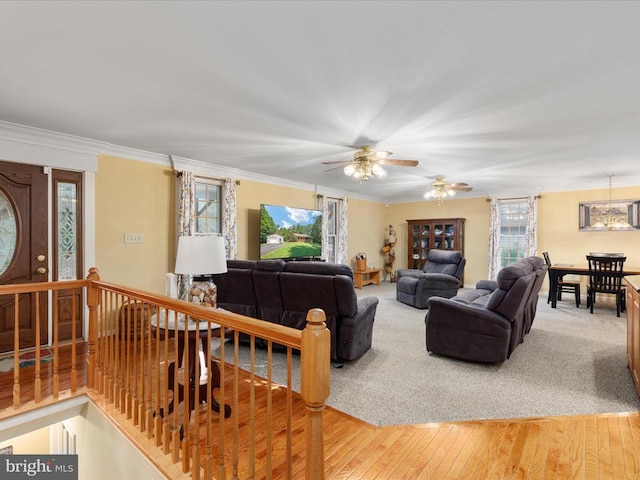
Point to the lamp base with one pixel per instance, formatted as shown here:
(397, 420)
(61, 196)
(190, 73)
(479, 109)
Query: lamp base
(203, 291)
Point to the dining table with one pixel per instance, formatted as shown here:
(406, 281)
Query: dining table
(558, 270)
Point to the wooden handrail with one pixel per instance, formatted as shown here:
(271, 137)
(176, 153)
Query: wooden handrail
(117, 360)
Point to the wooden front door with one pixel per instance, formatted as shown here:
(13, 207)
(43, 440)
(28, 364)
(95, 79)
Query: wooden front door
(23, 250)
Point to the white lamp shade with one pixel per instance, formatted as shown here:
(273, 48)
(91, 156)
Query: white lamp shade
(201, 255)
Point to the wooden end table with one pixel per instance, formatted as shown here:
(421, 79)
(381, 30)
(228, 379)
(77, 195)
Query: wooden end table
(366, 277)
(196, 336)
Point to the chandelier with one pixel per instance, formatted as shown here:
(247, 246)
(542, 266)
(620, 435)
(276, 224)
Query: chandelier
(439, 191)
(611, 219)
(365, 168)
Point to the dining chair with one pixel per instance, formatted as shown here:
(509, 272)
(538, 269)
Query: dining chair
(564, 286)
(605, 276)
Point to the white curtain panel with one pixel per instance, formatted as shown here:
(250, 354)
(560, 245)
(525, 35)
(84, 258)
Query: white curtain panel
(323, 206)
(342, 232)
(229, 222)
(494, 239)
(531, 243)
(185, 218)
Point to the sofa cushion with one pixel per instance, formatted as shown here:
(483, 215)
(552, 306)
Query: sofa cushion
(318, 268)
(235, 288)
(270, 265)
(478, 296)
(442, 261)
(266, 282)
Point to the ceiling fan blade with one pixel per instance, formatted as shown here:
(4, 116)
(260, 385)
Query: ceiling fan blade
(461, 187)
(338, 161)
(335, 168)
(403, 163)
(380, 154)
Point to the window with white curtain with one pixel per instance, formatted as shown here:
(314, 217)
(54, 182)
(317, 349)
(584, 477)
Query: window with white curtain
(513, 230)
(207, 206)
(331, 248)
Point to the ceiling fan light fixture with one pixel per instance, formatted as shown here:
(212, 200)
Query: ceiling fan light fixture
(378, 171)
(350, 169)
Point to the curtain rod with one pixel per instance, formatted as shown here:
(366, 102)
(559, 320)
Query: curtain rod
(515, 198)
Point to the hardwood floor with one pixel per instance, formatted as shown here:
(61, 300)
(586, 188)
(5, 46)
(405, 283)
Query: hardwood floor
(577, 447)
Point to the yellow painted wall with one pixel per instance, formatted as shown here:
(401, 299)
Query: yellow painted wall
(559, 234)
(475, 211)
(366, 231)
(134, 197)
(249, 196)
(139, 197)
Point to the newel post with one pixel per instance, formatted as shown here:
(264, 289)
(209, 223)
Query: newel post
(315, 365)
(93, 300)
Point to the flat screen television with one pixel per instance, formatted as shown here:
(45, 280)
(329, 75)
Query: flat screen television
(290, 233)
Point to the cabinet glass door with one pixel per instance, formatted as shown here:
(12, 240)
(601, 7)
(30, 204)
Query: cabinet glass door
(449, 238)
(415, 246)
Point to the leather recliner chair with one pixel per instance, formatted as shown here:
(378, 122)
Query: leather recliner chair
(489, 328)
(440, 277)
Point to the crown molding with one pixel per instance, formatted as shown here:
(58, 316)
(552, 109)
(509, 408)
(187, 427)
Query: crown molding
(26, 144)
(199, 167)
(12, 132)
(135, 154)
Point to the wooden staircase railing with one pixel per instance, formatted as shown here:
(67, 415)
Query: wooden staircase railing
(221, 415)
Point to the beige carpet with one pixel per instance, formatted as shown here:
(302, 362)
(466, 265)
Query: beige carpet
(572, 362)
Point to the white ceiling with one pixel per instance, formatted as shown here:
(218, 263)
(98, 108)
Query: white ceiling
(511, 97)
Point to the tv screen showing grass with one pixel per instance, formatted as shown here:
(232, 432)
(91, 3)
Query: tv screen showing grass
(289, 232)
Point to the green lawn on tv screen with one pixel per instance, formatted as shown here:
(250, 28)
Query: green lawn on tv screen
(293, 250)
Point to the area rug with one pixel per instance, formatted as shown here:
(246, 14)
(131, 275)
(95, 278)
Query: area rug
(571, 363)
(27, 359)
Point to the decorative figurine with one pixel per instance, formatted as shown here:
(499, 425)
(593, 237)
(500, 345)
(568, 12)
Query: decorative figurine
(389, 253)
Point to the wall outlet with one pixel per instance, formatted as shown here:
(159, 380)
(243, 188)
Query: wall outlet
(132, 238)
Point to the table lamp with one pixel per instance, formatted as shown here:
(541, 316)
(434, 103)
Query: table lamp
(199, 257)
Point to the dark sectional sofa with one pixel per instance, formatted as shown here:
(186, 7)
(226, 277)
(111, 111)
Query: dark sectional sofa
(283, 292)
(488, 323)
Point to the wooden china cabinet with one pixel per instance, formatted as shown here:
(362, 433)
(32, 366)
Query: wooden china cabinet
(440, 233)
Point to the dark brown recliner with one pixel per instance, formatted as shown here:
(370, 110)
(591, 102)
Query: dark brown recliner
(482, 333)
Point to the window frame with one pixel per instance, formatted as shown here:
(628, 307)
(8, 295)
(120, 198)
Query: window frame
(517, 220)
(207, 182)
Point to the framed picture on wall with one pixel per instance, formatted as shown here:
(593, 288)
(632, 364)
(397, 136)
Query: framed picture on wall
(610, 215)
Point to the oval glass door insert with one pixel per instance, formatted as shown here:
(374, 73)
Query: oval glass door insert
(8, 232)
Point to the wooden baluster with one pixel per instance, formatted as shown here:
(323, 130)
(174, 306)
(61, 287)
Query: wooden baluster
(236, 405)
(315, 363)
(137, 355)
(269, 408)
(16, 352)
(252, 408)
(208, 458)
(93, 300)
(56, 331)
(221, 399)
(37, 382)
(74, 314)
(154, 371)
(175, 425)
(195, 453)
(289, 411)
(186, 456)
(166, 438)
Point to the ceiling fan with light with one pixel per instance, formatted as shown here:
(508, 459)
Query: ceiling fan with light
(441, 189)
(367, 163)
